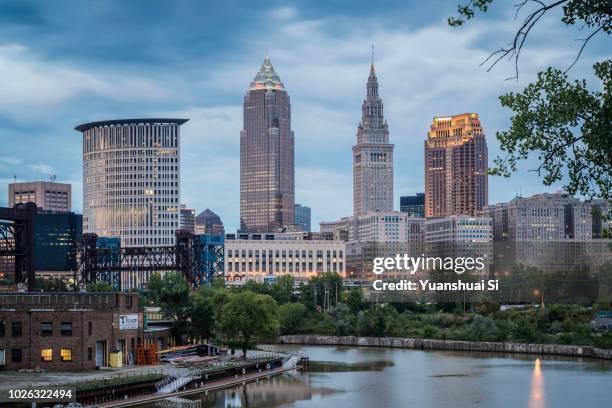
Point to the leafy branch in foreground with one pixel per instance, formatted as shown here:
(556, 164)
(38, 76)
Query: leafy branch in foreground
(567, 126)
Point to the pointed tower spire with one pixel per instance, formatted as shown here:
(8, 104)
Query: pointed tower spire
(267, 78)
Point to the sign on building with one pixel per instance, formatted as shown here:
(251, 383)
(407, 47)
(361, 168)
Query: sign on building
(128, 321)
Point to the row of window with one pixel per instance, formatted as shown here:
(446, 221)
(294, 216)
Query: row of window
(46, 328)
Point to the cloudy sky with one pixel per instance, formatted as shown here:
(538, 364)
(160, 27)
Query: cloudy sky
(63, 63)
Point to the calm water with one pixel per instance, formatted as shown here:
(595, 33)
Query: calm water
(374, 377)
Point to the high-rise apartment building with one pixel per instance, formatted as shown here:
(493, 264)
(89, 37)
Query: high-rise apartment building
(455, 167)
(372, 156)
(267, 185)
(131, 180)
(187, 218)
(302, 217)
(47, 195)
(413, 205)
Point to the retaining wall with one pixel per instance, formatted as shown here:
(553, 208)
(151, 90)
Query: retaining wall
(427, 344)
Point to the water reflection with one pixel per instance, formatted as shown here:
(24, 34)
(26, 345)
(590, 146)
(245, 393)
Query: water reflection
(378, 377)
(275, 391)
(536, 398)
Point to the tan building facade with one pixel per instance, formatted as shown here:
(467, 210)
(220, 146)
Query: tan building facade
(456, 166)
(47, 195)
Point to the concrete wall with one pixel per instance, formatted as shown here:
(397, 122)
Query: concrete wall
(425, 344)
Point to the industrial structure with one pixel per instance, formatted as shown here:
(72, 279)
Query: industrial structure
(17, 231)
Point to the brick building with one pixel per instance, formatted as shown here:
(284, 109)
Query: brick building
(68, 331)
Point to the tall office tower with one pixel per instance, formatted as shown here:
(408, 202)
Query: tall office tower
(131, 180)
(207, 222)
(187, 218)
(47, 195)
(372, 156)
(455, 167)
(413, 205)
(302, 217)
(267, 179)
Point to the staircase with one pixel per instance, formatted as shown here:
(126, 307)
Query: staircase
(178, 402)
(175, 384)
(291, 361)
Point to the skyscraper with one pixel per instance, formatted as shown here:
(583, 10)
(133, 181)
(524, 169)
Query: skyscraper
(455, 167)
(207, 222)
(267, 180)
(372, 156)
(413, 205)
(131, 180)
(302, 217)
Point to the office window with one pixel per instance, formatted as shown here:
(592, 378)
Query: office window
(66, 328)
(46, 329)
(16, 329)
(46, 355)
(66, 354)
(16, 355)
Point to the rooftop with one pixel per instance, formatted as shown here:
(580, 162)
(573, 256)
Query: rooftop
(90, 125)
(266, 78)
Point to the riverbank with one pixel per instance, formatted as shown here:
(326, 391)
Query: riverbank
(430, 344)
(217, 385)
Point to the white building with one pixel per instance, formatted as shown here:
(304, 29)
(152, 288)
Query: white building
(458, 229)
(255, 256)
(131, 180)
(380, 227)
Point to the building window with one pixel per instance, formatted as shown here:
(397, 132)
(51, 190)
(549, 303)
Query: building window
(128, 302)
(66, 354)
(89, 328)
(89, 353)
(66, 329)
(2, 328)
(46, 329)
(46, 355)
(16, 329)
(16, 355)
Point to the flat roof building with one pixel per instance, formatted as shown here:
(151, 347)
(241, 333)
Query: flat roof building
(47, 195)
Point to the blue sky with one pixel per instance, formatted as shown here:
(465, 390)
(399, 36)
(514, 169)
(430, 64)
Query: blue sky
(63, 63)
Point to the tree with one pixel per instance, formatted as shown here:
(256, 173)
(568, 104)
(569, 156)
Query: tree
(51, 285)
(171, 293)
(247, 317)
(100, 287)
(203, 313)
(282, 289)
(354, 299)
(291, 318)
(563, 123)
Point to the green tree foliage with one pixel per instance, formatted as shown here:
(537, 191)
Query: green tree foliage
(248, 317)
(292, 318)
(51, 285)
(354, 299)
(203, 313)
(561, 122)
(172, 293)
(100, 287)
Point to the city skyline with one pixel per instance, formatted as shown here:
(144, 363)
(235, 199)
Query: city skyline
(52, 88)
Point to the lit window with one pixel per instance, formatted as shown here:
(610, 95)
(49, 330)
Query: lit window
(46, 355)
(66, 354)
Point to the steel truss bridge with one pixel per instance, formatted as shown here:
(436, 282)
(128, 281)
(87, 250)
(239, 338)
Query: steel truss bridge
(17, 234)
(198, 257)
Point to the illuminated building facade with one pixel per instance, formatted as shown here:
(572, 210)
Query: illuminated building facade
(267, 179)
(301, 255)
(131, 180)
(455, 167)
(372, 156)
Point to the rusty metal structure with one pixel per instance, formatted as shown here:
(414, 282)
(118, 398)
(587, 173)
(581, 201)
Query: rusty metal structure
(17, 233)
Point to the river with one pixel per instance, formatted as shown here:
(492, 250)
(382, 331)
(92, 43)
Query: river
(376, 377)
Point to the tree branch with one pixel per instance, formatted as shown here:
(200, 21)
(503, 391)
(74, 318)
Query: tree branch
(584, 43)
(554, 151)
